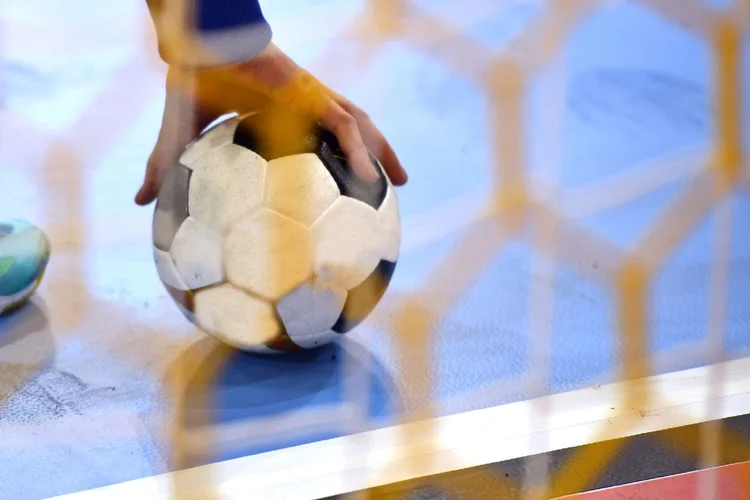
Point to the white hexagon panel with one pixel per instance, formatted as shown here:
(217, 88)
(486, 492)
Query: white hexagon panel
(235, 317)
(349, 243)
(309, 312)
(300, 188)
(226, 185)
(196, 251)
(267, 254)
(267, 239)
(219, 135)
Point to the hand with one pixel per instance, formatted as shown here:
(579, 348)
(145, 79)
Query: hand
(195, 99)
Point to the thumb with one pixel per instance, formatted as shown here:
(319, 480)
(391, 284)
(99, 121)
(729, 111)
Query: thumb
(183, 120)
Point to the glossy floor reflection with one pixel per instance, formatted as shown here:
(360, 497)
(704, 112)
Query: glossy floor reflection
(83, 369)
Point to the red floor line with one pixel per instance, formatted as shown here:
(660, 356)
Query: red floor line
(732, 483)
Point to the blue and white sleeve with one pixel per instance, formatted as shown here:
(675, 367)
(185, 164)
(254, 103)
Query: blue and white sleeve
(209, 33)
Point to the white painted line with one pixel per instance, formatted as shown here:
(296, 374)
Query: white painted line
(455, 442)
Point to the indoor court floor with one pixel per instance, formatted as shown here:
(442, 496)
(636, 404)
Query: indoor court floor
(615, 132)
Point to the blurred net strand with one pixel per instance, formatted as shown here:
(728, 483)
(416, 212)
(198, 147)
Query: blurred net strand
(511, 199)
(366, 38)
(75, 153)
(542, 292)
(263, 431)
(692, 15)
(633, 277)
(742, 11)
(414, 323)
(730, 154)
(188, 447)
(635, 183)
(717, 299)
(184, 451)
(444, 275)
(545, 36)
(687, 209)
(571, 477)
(446, 219)
(357, 386)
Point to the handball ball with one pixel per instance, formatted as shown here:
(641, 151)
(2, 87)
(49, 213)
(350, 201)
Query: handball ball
(24, 254)
(266, 239)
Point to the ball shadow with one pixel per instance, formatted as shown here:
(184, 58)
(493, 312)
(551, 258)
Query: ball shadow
(27, 346)
(26, 320)
(231, 389)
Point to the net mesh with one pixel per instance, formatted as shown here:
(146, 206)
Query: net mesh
(534, 208)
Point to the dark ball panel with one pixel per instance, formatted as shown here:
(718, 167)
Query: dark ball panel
(184, 298)
(350, 184)
(283, 342)
(171, 206)
(362, 300)
(275, 134)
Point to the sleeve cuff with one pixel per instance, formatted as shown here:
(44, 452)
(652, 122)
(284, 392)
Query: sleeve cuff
(199, 34)
(202, 50)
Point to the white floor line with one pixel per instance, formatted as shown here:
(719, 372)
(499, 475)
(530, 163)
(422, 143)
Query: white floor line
(465, 440)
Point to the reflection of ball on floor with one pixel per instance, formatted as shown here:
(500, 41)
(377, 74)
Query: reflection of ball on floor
(273, 245)
(24, 253)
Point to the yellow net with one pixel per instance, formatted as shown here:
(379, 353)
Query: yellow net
(506, 76)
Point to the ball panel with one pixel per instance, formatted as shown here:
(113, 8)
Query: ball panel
(348, 182)
(171, 206)
(282, 343)
(315, 340)
(263, 349)
(361, 301)
(227, 184)
(276, 133)
(185, 300)
(311, 307)
(282, 221)
(348, 243)
(196, 252)
(300, 188)
(219, 135)
(390, 220)
(268, 254)
(235, 317)
(167, 271)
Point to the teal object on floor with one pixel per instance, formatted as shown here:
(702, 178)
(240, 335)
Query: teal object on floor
(24, 254)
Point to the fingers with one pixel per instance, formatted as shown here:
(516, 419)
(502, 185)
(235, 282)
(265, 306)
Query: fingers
(196, 99)
(344, 127)
(295, 88)
(150, 187)
(375, 141)
(182, 121)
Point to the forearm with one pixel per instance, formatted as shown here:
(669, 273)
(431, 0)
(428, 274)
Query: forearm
(208, 33)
